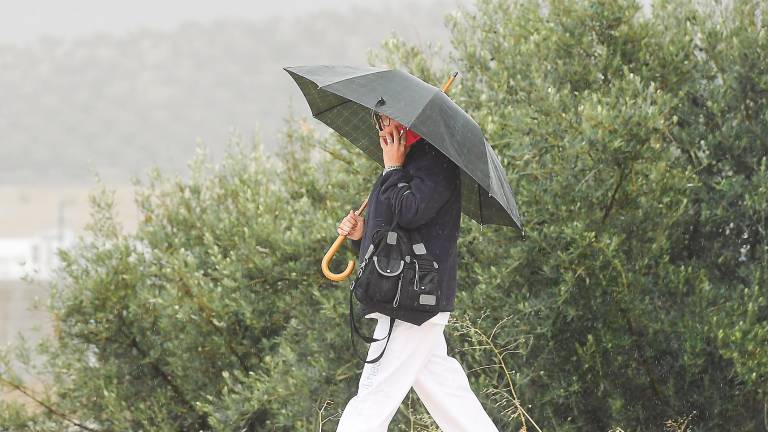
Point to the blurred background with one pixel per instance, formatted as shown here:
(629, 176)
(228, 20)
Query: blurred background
(107, 90)
(145, 288)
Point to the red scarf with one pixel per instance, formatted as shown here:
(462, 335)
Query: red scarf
(410, 138)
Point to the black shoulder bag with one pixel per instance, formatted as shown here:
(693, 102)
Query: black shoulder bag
(397, 275)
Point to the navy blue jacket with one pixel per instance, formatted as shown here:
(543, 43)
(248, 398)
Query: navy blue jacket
(431, 204)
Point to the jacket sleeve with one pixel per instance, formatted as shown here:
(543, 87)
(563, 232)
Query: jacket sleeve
(356, 245)
(421, 194)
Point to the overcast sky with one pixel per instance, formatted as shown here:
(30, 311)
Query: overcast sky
(25, 21)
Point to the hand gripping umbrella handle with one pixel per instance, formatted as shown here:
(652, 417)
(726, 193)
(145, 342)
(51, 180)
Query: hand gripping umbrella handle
(338, 277)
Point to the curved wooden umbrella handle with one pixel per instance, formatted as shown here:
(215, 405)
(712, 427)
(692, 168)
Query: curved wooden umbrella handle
(338, 277)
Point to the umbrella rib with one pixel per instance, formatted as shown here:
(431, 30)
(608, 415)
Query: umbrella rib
(352, 77)
(333, 107)
(480, 203)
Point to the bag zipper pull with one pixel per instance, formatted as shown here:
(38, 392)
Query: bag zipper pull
(397, 297)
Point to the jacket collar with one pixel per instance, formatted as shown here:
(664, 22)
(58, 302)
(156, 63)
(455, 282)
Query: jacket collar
(417, 148)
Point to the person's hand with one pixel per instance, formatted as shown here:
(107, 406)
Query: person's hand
(392, 141)
(351, 226)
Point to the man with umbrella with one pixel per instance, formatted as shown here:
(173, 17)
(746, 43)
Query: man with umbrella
(444, 168)
(426, 182)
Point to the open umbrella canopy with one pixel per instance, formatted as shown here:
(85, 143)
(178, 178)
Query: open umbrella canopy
(343, 96)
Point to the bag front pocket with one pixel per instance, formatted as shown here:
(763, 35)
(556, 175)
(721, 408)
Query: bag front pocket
(385, 281)
(421, 285)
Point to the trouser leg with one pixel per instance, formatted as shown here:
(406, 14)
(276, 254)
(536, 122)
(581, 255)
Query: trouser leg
(443, 387)
(384, 384)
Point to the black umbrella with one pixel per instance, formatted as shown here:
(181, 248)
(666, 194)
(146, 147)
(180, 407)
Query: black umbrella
(342, 97)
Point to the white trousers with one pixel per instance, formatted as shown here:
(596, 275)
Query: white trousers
(417, 356)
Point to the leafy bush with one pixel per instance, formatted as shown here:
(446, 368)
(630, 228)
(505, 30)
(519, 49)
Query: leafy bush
(636, 148)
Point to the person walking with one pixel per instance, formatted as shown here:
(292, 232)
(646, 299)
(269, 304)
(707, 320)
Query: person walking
(426, 184)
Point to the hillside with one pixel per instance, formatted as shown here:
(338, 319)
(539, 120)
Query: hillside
(118, 104)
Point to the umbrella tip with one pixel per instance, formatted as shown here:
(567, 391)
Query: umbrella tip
(448, 83)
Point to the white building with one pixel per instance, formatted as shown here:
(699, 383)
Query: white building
(34, 256)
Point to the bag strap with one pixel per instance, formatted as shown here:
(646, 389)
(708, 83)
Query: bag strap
(353, 329)
(352, 325)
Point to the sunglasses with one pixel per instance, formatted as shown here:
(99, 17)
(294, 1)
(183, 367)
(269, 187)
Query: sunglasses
(378, 121)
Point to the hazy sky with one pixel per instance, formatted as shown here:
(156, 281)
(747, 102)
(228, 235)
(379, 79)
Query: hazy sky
(24, 21)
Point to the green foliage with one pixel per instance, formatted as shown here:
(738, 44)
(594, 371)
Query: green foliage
(636, 148)
(200, 319)
(637, 151)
